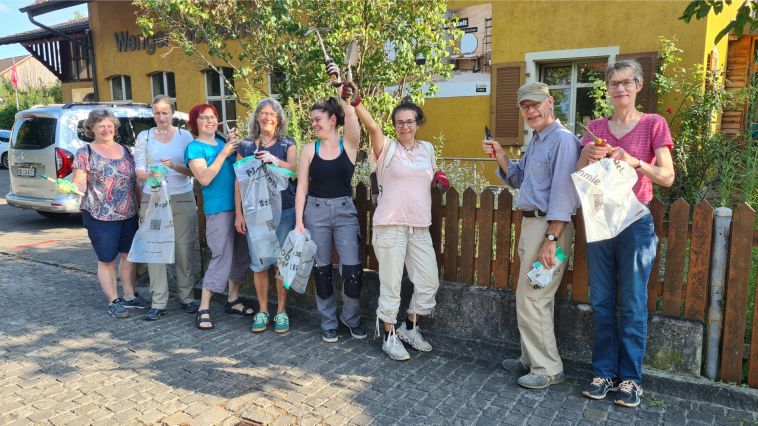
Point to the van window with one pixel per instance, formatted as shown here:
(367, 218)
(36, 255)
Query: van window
(128, 130)
(35, 133)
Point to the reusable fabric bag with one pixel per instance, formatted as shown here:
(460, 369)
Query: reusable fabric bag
(608, 203)
(260, 188)
(154, 240)
(296, 261)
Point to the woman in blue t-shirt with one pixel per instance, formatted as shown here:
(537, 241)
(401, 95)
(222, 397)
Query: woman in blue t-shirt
(211, 161)
(269, 144)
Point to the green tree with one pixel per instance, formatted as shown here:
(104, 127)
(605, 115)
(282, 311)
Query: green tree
(274, 39)
(747, 15)
(26, 99)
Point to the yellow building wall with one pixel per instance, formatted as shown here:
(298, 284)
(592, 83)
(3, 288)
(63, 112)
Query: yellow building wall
(109, 17)
(72, 92)
(521, 27)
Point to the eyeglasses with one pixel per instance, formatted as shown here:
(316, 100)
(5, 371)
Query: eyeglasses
(628, 84)
(268, 114)
(207, 117)
(407, 123)
(527, 107)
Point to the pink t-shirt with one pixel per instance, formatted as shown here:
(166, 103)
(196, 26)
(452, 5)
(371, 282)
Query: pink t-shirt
(650, 133)
(406, 195)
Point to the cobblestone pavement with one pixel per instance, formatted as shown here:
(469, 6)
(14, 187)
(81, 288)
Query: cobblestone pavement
(63, 360)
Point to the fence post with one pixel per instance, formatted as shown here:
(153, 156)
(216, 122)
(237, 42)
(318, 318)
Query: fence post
(721, 223)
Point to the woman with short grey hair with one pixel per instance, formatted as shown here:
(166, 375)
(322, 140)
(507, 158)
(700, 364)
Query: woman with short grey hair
(269, 143)
(162, 147)
(623, 264)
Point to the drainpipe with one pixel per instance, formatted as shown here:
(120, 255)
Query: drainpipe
(89, 47)
(722, 221)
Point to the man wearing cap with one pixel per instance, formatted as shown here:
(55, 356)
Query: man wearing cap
(546, 199)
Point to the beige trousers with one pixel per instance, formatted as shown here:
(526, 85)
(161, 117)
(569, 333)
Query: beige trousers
(398, 246)
(535, 307)
(184, 213)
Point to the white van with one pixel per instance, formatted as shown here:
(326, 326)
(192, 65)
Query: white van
(44, 140)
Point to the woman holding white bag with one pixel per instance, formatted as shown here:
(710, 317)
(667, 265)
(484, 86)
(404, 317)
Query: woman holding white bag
(164, 145)
(644, 142)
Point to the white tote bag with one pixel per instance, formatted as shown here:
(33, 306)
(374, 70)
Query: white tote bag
(154, 240)
(608, 203)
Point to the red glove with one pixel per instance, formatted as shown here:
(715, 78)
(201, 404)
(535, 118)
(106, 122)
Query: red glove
(350, 93)
(440, 181)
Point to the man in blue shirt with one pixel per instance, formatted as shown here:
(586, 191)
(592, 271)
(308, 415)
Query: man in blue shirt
(547, 199)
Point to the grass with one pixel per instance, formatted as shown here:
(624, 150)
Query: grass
(653, 401)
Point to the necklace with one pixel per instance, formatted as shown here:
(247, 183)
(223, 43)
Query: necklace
(267, 142)
(161, 132)
(411, 148)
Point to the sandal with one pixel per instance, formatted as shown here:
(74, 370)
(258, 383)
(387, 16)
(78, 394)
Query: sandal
(229, 308)
(200, 320)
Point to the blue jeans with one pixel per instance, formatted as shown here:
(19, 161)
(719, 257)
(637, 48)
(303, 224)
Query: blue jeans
(621, 264)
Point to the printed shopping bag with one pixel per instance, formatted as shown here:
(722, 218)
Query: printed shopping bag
(296, 261)
(608, 203)
(154, 240)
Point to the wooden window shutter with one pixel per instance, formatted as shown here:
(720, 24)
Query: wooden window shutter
(739, 58)
(505, 121)
(647, 97)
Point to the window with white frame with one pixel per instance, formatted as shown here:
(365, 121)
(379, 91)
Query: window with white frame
(220, 95)
(121, 88)
(162, 83)
(570, 84)
(569, 75)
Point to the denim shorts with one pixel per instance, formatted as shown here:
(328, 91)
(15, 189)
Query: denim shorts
(286, 224)
(109, 238)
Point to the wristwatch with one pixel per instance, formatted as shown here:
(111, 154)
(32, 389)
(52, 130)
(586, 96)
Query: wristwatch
(551, 237)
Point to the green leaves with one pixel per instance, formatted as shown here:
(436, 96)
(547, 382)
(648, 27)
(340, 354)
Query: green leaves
(747, 15)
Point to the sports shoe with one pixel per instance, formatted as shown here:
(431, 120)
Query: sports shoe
(515, 365)
(281, 323)
(394, 348)
(137, 303)
(117, 308)
(413, 338)
(358, 332)
(540, 381)
(191, 307)
(600, 386)
(260, 321)
(329, 336)
(154, 314)
(629, 394)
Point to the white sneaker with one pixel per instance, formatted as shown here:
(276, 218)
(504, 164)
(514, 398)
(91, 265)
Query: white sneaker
(413, 338)
(395, 349)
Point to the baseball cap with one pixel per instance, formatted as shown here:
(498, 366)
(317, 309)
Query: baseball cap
(534, 91)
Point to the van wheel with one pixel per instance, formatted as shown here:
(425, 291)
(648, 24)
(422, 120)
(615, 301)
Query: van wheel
(4, 161)
(52, 215)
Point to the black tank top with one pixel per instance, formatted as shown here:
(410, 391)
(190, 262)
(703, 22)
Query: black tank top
(331, 178)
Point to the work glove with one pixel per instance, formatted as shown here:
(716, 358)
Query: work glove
(268, 157)
(350, 93)
(66, 187)
(440, 181)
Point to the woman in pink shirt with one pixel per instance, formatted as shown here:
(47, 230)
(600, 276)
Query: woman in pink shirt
(406, 172)
(623, 263)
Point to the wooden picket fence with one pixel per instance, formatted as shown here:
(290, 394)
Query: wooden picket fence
(475, 239)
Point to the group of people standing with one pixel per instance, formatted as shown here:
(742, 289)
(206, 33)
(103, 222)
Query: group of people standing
(109, 175)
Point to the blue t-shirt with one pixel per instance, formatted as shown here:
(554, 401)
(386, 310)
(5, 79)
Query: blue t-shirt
(219, 195)
(247, 148)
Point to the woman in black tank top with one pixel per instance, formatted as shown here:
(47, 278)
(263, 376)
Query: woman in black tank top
(324, 206)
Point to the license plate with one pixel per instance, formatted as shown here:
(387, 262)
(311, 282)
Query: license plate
(26, 171)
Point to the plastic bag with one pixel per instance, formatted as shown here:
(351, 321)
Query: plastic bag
(539, 276)
(260, 188)
(296, 261)
(608, 203)
(154, 240)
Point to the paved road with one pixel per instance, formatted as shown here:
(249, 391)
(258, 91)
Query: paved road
(63, 360)
(27, 234)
